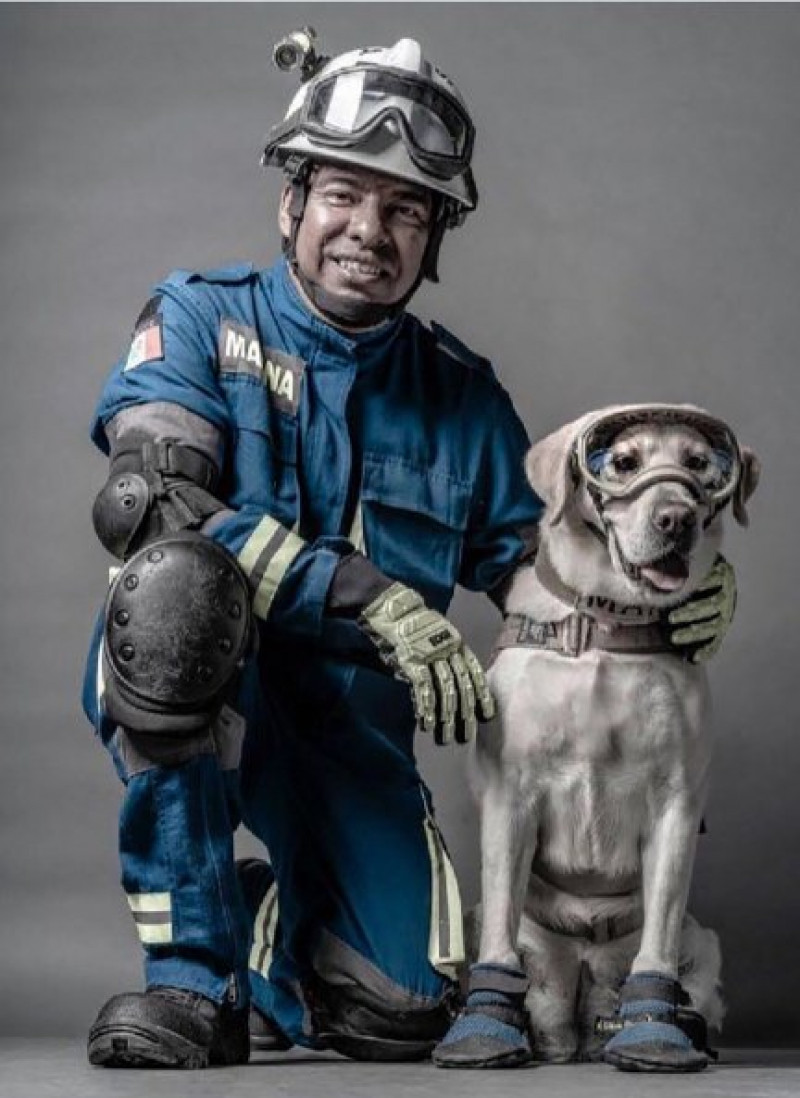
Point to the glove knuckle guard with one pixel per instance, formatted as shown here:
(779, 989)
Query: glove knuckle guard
(178, 624)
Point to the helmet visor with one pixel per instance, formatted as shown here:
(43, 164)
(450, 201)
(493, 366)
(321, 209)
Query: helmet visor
(624, 452)
(347, 106)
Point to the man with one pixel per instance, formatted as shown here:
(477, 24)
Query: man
(292, 444)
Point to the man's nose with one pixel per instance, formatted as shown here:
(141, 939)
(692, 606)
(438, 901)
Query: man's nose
(367, 223)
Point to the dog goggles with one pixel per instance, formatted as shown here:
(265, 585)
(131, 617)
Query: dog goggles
(616, 463)
(346, 107)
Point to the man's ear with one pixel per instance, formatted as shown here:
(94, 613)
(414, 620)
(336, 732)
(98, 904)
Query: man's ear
(748, 482)
(284, 214)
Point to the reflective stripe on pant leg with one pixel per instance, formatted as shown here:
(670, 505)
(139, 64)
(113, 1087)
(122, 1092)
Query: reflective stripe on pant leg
(152, 913)
(264, 932)
(446, 942)
(265, 558)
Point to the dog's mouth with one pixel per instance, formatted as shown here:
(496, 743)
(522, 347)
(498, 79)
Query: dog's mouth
(667, 574)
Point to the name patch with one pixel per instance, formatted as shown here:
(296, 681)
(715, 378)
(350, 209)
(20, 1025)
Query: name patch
(240, 352)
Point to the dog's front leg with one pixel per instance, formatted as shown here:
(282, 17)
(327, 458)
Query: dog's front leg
(508, 840)
(667, 863)
(651, 1039)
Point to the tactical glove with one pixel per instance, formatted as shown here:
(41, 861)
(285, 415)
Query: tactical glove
(705, 617)
(448, 684)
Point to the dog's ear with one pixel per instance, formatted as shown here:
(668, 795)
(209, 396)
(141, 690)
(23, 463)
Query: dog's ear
(748, 482)
(548, 467)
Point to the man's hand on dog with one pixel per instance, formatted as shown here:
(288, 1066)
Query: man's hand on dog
(704, 619)
(448, 684)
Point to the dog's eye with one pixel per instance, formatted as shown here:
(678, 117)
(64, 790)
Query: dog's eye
(696, 463)
(624, 464)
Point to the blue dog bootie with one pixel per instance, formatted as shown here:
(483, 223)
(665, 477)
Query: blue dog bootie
(650, 1038)
(492, 1029)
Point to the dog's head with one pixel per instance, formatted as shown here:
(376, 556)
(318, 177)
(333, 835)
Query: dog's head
(652, 483)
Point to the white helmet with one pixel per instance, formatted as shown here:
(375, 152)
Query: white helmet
(389, 110)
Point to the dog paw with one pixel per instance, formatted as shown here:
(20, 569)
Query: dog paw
(650, 1038)
(492, 1029)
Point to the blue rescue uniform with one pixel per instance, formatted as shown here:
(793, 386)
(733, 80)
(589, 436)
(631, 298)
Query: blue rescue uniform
(397, 440)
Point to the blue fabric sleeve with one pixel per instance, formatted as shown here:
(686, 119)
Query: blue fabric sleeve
(507, 508)
(184, 373)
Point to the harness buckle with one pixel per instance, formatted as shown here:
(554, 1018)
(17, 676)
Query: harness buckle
(576, 636)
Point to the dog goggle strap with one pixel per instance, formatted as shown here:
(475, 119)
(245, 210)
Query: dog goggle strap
(347, 106)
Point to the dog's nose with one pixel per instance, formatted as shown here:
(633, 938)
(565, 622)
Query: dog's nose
(677, 519)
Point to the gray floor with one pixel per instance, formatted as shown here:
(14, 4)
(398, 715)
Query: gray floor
(39, 1068)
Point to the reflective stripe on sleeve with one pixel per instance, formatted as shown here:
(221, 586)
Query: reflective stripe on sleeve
(356, 535)
(264, 933)
(152, 913)
(265, 558)
(446, 942)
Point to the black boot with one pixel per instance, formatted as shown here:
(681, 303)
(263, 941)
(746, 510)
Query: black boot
(264, 1033)
(167, 1027)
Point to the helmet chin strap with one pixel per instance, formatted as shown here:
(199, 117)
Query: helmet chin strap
(343, 311)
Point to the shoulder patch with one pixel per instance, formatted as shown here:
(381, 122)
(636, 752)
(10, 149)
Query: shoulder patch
(447, 342)
(147, 344)
(148, 312)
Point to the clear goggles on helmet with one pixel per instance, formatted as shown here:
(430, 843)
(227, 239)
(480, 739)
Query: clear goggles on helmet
(615, 459)
(344, 108)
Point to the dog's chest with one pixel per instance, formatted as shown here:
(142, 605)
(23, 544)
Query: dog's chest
(599, 745)
(638, 719)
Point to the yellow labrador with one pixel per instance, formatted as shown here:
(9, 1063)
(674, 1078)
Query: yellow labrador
(592, 781)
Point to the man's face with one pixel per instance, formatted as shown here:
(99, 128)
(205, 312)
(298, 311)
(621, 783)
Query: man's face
(363, 235)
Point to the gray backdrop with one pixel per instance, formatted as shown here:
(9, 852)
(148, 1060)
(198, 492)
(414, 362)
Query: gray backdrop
(637, 239)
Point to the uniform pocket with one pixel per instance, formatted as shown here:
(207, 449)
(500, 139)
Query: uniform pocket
(413, 522)
(264, 466)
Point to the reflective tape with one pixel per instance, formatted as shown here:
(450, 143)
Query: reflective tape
(265, 558)
(446, 941)
(264, 932)
(152, 913)
(356, 535)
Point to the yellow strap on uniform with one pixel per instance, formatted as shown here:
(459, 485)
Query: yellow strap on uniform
(356, 535)
(265, 558)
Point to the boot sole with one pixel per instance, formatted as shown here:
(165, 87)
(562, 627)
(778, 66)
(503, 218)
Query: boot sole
(129, 1046)
(500, 1062)
(652, 1067)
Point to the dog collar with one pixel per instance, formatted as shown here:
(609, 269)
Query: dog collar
(578, 633)
(595, 622)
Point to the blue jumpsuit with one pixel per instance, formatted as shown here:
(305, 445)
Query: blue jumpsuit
(397, 440)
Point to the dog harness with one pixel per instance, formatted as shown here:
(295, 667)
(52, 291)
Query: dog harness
(595, 622)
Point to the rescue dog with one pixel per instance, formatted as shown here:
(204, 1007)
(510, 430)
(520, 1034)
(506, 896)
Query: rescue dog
(592, 781)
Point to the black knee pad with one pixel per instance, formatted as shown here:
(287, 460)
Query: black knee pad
(178, 627)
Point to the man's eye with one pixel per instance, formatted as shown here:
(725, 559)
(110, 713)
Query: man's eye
(412, 214)
(624, 463)
(339, 197)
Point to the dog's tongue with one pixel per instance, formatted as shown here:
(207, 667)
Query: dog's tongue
(668, 574)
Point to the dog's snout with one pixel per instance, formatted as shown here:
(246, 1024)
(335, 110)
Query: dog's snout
(676, 519)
